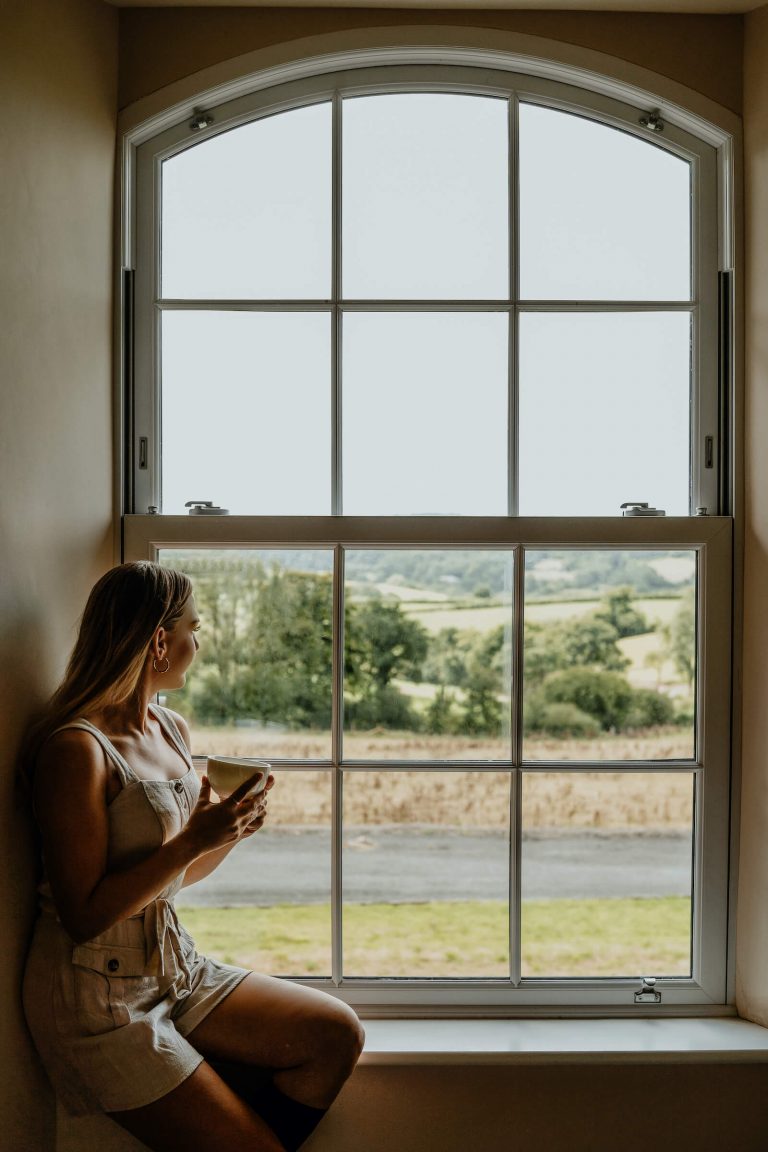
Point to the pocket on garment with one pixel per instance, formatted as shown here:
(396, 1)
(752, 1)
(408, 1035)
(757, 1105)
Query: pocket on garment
(128, 990)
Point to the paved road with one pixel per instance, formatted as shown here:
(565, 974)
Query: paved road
(406, 864)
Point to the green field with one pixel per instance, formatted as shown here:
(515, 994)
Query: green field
(466, 617)
(610, 937)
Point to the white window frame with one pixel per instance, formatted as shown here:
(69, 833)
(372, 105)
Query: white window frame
(710, 536)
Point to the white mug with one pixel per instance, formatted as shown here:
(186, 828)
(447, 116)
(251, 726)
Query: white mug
(226, 773)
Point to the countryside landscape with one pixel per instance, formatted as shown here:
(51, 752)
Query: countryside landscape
(608, 675)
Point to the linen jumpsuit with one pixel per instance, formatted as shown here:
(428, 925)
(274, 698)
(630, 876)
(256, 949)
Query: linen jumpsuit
(110, 1017)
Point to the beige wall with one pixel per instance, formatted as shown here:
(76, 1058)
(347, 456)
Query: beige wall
(58, 75)
(158, 46)
(752, 929)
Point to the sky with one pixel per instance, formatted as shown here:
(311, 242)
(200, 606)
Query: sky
(429, 203)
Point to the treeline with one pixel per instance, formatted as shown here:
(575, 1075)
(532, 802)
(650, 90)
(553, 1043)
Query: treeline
(455, 572)
(266, 657)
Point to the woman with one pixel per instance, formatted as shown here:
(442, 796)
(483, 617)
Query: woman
(127, 1017)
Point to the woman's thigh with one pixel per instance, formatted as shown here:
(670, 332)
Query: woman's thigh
(311, 1037)
(202, 1115)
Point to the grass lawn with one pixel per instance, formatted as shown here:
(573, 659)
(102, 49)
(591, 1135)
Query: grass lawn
(611, 937)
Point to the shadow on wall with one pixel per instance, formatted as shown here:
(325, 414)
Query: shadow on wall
(22, 669)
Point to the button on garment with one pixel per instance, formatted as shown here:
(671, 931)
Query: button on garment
(110, 1016)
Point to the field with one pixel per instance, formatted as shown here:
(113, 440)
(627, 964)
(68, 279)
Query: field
(435, 615)
(559, 938)
(564, 798)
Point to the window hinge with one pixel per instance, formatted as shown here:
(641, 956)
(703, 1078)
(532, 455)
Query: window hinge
(648, 993)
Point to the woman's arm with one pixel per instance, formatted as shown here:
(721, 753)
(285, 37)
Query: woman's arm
(70, 794)
(203, 866)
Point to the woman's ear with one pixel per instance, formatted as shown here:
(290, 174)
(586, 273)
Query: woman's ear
(159, 645)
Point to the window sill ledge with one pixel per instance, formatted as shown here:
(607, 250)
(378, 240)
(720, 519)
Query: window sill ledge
(578, 1041)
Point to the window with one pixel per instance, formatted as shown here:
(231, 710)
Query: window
(421, 332)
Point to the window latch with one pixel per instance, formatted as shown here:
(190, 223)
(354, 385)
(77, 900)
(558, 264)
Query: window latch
(205, 508)
(640, 508)
(648, 994)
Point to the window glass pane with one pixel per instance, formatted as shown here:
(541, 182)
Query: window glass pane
(607, 873)
(427, 655)
(267, 906)
(603, 215)
(604, 412)
(246, 411)
(247, 214)
(425, 197)
(425, 414)
(426, 874)
(261, 683)
(609, 655)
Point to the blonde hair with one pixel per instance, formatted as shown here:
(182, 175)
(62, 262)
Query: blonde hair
(124, 610)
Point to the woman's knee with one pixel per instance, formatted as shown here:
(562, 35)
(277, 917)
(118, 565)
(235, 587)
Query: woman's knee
(340, 1035)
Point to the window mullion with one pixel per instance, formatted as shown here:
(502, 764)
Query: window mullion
(336, 314)
(337, 780)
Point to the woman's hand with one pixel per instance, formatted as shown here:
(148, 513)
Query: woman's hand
(260, 814)
(214, 825)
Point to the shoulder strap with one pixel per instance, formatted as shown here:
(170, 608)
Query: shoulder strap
(126, 773)
(169, 725)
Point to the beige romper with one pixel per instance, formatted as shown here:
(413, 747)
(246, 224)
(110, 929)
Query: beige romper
(109, 1017)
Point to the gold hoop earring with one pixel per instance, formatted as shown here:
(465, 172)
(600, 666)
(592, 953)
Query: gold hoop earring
(162, 671)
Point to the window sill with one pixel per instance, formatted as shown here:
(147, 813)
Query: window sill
(668, 1041)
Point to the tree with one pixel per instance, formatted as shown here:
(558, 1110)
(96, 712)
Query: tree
(616, 609)
(381, 644)
(680, 636)
(584, 641)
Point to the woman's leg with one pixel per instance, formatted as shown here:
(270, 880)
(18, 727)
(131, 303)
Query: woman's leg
(202, 1115)
(309, 1041)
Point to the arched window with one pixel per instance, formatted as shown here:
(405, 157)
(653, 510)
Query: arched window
(417, 335)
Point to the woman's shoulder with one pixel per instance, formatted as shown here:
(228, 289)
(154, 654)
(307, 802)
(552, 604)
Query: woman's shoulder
(68, 747)
(178, 720)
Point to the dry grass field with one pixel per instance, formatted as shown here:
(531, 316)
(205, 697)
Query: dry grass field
(562, 798)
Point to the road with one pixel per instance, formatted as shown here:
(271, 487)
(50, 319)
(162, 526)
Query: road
(397, 864)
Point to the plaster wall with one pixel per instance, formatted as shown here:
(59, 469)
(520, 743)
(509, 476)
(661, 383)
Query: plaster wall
(752, 927)
(58, 83)
(161, 45)
(58, 74)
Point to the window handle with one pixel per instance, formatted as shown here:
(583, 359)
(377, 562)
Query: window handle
(205, 508)
(640, 508)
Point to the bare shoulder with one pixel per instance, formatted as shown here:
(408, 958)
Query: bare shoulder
(182, 726)
(70, 766)
(70, 756)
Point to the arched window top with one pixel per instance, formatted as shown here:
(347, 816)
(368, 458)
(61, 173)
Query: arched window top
(485, 250)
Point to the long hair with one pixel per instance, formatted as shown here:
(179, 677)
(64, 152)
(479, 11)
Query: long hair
(124, 610)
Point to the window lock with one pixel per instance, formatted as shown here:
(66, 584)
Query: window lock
(648, 994)
(640, 508)
(205, 508)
